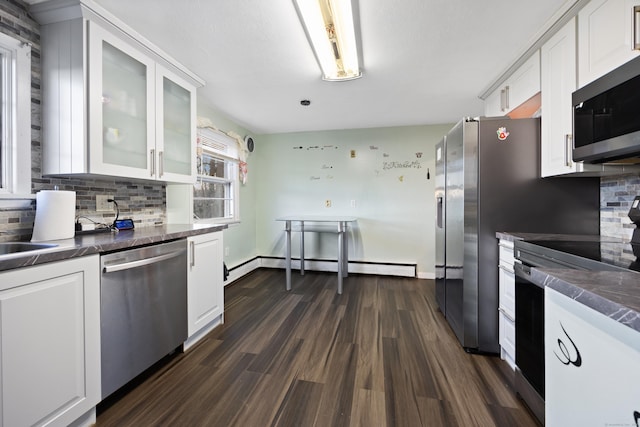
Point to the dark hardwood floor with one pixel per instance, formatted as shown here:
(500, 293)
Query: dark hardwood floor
(381, 354)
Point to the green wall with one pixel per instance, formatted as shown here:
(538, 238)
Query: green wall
(239, 239)
(387, 181)
(296, 173)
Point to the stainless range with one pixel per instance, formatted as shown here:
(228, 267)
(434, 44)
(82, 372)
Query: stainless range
(591, 253)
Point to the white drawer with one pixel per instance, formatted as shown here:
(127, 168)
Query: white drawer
(507, 339)
(507, 282)
(505, 253)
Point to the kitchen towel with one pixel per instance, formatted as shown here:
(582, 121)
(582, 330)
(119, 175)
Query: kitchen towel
(55, 215)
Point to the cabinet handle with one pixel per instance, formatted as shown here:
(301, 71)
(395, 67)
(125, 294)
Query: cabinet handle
(502, 267)
(506, 89)
(153, 162)
(161, 163)
(193, 254)
(636, 28)
(568, 150)
(506, 314)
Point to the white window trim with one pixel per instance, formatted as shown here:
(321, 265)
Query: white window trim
(16, 140)
(225, 147)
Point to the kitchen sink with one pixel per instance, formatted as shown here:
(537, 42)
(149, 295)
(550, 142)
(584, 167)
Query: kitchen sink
(8, 248)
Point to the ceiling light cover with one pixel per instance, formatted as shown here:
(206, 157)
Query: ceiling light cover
(329, 26)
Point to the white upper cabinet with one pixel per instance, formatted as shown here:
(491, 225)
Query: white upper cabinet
(607, 34)
(121, 104)
(558, 82)
(112, 106)
(523, 84)
(176, 130)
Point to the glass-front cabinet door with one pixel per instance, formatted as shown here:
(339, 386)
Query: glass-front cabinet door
(176, 127)
(121, 104)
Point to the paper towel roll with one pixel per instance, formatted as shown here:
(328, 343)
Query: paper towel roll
(55, 215)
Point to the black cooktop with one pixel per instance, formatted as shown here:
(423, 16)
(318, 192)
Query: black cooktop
(615, 252)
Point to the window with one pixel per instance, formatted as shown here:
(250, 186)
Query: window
(15, 118)
(215, 194)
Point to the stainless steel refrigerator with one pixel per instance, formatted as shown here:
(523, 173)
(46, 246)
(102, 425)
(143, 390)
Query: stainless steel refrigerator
(487, 180)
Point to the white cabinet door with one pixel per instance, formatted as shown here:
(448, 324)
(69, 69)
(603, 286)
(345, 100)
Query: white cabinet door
(121, 108)
(493, 105)
(523, 84)
(592, 376)
(558, 61)
(606, 37)
(50, 342)
(205, 300)
(176, 127)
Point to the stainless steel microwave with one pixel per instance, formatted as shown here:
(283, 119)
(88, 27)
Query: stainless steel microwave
(606, 117)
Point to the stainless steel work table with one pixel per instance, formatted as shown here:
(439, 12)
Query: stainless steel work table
(341, 223)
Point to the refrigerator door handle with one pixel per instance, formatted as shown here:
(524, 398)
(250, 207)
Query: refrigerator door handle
(439, 210)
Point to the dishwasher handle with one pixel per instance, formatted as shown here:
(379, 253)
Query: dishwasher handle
(141, 262)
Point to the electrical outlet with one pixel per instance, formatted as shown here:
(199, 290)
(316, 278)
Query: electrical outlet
(353, 203)
(226, 251)
(101, 203)
(327, 203)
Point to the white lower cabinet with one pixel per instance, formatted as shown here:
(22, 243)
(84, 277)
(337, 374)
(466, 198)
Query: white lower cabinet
(591, 361)
(507, 303)
(205, 294)
(50, 343)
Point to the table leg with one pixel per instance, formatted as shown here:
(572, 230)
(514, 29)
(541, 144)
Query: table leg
(340, 255)
(302, 248)
(287, 228)
(345, 253)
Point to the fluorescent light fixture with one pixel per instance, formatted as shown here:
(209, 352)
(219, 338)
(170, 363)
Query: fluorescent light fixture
(330, 29)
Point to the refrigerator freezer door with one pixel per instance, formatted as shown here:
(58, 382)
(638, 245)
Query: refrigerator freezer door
(454, 224)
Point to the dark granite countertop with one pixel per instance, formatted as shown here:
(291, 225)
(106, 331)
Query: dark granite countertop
(105, 242)
(614, 294)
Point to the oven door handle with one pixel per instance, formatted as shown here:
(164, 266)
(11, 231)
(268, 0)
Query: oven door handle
(523, 271)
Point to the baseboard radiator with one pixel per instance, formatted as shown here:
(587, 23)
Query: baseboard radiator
(359, 267)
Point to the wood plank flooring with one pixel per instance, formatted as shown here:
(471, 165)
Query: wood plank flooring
(381, 354)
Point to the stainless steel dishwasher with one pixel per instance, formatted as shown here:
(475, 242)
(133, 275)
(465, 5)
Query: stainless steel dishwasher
(143, 309)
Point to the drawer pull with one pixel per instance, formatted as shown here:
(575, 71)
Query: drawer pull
(502, 267)
(507, 314)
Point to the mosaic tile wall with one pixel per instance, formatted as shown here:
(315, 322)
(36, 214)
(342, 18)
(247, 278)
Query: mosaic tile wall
(143, 202)
(616, 195)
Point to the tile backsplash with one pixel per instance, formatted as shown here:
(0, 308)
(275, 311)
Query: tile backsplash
(616, 195)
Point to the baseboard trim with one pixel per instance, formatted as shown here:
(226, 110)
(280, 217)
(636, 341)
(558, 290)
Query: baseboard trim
(242, 270)
(360, 267)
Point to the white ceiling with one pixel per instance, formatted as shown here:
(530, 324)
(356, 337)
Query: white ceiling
(425, 61)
